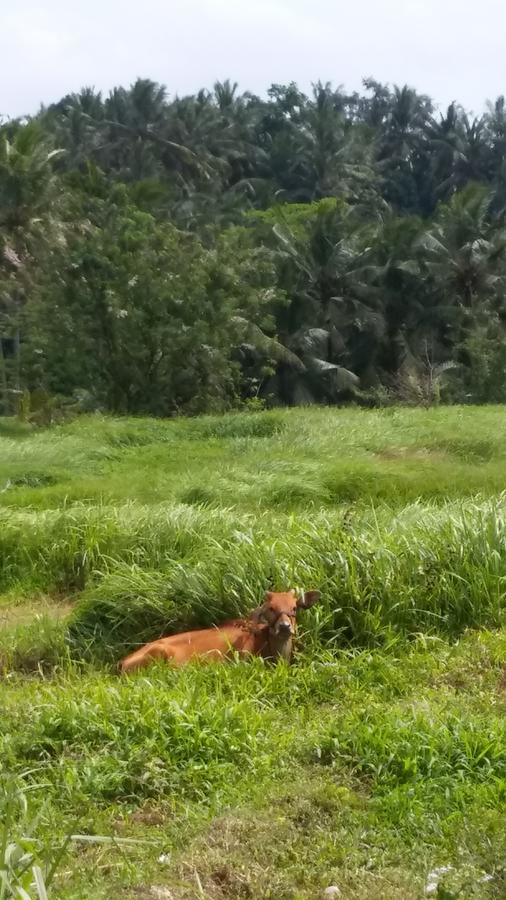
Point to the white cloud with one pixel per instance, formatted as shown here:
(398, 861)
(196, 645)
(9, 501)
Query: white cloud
(451, 49)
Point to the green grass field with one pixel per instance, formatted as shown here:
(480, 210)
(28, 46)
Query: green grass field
(376, 762)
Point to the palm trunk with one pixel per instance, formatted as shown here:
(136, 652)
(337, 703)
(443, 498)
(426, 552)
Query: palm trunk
(3, 380)
(17, 361)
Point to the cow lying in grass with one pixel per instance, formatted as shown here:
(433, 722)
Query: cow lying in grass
(268, 632)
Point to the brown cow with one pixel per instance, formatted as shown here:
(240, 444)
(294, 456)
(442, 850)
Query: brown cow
(267, 632)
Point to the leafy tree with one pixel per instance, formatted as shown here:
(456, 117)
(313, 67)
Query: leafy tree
(180, 254)
(29, 226)
(142, 315)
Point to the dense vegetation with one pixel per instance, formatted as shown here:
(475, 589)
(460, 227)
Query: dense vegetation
(377, 762)
(162, 255)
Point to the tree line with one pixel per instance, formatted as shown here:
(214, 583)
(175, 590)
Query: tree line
(196, 254)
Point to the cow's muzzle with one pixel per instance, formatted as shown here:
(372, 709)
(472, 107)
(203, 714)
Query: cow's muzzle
(284, 627)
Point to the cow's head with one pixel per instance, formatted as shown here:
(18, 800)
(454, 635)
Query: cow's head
(279, 613)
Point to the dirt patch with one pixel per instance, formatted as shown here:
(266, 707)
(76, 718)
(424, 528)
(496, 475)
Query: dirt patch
(152, 892)
(417, 453)
(148, 816)
(502, 681)
(25, 612)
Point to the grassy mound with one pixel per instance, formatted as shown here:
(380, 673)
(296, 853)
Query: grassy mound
(376, 762)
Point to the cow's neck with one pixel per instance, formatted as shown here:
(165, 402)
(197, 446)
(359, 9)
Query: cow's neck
(268, 644)
(279, 647)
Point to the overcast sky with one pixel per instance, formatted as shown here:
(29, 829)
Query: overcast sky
(450, 49)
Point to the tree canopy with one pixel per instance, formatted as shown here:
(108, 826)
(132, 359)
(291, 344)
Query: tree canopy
(171, 255)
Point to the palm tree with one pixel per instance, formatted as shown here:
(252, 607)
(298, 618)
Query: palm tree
(132, 126)
(333, 316)
(26, 178)
(374, 110)
(73, 123)
(127, 134)
(28, 190)
(442, 145)
(400, 146)
(316, 149)
(464, 252)
(495, 132)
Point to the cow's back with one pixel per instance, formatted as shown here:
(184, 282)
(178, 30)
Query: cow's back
(208, 643)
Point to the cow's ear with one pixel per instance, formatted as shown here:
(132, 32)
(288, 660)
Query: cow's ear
(258, 614)
(309, 598)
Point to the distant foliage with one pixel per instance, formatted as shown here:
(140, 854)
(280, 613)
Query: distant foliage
(196, 254)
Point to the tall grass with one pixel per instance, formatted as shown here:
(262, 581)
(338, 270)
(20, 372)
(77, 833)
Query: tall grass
(191, 734)
(291, 459)
(59, 550)
(30, 857)
(143, 571)
(381, 748)
(155, 736)
(428, 570)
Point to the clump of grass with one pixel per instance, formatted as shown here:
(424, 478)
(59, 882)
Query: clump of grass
(291, 492)
(438, 573)
(24, 858)
(131, 605)
(412, 745)
(237, 425)
(36, 647)
(130, 601)
(199, 495)
(136, 738)
(33, 479)
(350, 481)
(131, 433)
(59, 550)
(469, 448)
(13, 428)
